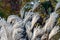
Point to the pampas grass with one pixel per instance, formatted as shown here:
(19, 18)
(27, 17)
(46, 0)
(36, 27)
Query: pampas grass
(19, 28)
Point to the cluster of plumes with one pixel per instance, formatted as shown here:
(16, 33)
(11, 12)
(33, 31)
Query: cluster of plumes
(22, 28)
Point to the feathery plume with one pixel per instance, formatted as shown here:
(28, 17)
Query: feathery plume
(34, 20)
(13, 19)
(28, 30)
(50, 22)
(37, 32)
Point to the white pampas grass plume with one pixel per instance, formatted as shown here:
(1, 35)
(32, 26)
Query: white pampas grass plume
(28, 25)
(28, 16)
(54, 31)
(50, 22)
(17, 34)
(37, 32)
(6, 32)
(12, 19)
(2, 30)
(34, 20)
(28, 30)
(44, 37)
(18, 25)
(18, 31)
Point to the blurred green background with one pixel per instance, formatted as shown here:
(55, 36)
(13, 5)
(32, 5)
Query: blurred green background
(8, 7)
(14, 6)
(58, 0)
